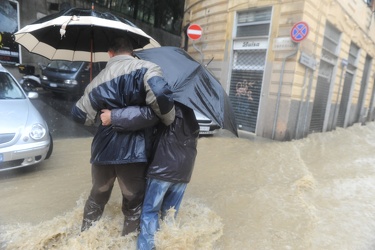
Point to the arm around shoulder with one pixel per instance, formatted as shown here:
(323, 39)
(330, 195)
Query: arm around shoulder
(133, 118)
(159, 96)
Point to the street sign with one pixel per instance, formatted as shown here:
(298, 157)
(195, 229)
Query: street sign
(299, 31)
(194, 31)
(283, 43)
(308, 61)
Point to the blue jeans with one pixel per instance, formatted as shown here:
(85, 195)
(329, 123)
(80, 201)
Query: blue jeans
(160, 196)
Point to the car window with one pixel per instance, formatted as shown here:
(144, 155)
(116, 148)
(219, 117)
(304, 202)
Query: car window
(9, 89)
(64, 66)
(97, 67)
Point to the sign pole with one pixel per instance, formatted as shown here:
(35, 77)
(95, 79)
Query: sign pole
(200, 52)
(298, 33)
(194, 32)
(276, 116)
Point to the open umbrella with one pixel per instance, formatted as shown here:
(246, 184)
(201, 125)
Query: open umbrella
(79, 35)
(192, 84)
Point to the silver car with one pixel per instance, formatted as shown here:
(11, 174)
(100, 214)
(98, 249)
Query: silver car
(24, 136)
(206, 125)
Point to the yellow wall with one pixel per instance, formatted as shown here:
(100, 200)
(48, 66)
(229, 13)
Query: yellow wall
(351, 17)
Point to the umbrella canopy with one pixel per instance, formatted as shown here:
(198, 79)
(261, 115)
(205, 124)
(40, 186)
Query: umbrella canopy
(192, 84)
(79, 35)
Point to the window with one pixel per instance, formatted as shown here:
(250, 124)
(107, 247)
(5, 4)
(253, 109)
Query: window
(163, 14)
(328, 62)
(254, 23)
(53, 6)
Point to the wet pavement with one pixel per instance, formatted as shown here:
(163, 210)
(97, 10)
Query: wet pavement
(309, 194)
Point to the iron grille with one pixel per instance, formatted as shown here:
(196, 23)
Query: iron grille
(344, 100)
(326, 68)
(245, 87)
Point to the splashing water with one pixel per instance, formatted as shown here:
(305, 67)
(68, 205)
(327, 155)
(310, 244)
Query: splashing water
(315, 193)
(63, 232)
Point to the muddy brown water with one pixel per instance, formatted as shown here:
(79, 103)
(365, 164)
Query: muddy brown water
(315, 193)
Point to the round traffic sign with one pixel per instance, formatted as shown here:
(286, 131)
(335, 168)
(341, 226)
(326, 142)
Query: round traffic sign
(299, 31)
(194, 31)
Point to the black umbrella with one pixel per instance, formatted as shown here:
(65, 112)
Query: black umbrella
(192, 84)
(79, 35)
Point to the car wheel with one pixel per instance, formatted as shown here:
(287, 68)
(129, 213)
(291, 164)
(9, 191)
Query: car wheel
(27, 86)
(50, 147)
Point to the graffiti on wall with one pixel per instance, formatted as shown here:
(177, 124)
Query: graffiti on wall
(243, 89)
(244, 95)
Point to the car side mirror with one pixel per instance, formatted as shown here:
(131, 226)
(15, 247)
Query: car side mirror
(42, 66)
(32, 95)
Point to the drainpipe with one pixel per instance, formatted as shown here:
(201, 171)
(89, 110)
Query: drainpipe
(344, 64)
(279, 91)
(301, 103)
(307, 104)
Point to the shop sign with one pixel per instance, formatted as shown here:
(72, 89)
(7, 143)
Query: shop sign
(251, 44)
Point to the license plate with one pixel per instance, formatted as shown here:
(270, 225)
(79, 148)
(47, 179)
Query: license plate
(1, 158)
(53, 85)
(204, 128)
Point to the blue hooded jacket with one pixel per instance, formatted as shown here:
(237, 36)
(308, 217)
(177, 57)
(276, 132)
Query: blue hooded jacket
(124, 82)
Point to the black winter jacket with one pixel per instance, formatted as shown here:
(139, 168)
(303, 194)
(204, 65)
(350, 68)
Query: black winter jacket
(175, 146)
(125, 81)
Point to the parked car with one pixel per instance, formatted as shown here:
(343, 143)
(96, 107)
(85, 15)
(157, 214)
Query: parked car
(24, 136)
(68, 77)
(206, 125)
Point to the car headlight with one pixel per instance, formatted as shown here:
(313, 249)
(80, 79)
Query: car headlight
(38, 131)
(44, 78)
(72, 82)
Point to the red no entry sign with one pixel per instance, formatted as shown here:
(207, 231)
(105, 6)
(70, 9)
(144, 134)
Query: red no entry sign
(299, 31)
(194, 31)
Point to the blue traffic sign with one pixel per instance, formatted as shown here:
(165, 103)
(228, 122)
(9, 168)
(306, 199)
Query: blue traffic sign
(299, 31)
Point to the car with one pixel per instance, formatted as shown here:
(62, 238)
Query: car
(68, 77)
(24, 136)
(206, 125)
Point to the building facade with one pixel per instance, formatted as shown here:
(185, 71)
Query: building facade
(290, 67)
(16, 14)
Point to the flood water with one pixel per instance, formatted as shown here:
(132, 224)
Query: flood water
(315, 193)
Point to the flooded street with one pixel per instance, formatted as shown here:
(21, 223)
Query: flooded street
(315, 193)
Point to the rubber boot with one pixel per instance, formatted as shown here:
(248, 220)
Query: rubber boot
(131, 224)
(91, 213)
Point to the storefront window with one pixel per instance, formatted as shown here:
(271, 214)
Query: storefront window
(249, 59)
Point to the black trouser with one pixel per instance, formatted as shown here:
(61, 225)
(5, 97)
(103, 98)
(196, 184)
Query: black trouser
(132, 182)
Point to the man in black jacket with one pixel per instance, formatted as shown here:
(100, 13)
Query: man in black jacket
(172, 163)
(126, 81)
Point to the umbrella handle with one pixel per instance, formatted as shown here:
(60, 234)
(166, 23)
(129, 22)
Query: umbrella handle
(92, 46)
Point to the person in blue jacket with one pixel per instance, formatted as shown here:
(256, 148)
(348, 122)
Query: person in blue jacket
(125, 81)
(171, 165)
